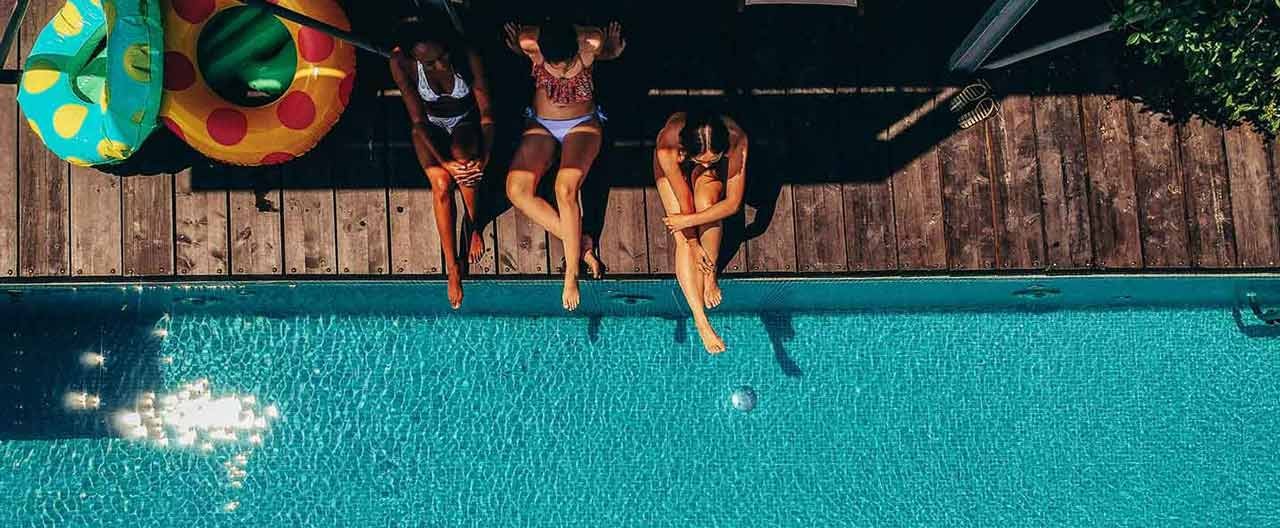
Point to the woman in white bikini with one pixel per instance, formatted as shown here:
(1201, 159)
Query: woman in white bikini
(445, 91)
(564, 115)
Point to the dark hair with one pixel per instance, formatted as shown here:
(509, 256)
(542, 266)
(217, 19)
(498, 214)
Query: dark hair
(414, 31)
(558, 41)
(704, 131)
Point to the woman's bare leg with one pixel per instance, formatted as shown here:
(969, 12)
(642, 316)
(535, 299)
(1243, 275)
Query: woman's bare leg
(442, 194)
(531, 161)
(579, 151)
(707, 191)
(689, 277)
(466, 147)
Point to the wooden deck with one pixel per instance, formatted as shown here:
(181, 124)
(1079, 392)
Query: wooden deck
(850, 174)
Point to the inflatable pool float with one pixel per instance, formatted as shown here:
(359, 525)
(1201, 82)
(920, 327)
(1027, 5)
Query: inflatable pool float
(246, 88)
(90, 87)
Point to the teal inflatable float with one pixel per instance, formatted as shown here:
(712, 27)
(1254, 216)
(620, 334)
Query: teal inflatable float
(92, 85)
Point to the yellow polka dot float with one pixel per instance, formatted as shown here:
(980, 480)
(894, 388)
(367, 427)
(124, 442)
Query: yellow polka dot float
(309, 104)
(91, 87)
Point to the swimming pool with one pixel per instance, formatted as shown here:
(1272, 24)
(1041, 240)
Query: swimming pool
(991, 402)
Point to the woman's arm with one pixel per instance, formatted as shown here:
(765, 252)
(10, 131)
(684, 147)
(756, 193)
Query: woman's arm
(735, 184)
(422, 145)
(480, 87)
(668, 160)
(523, 40)
(606, 44)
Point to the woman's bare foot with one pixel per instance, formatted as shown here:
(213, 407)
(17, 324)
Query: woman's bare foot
(710, 339)
(476, 251)
(571, 295)
(711, 295)
(595, 268)
(455, 287)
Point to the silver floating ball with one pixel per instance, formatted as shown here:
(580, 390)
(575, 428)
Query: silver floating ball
(744, 399)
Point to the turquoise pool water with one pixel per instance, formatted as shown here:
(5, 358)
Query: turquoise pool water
(1023, 415)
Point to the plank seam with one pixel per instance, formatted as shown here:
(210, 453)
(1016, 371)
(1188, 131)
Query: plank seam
(1088, 181)
(1139, 197)
(1226, 168)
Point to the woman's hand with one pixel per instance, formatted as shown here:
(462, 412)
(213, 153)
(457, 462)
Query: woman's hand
(678, 222)
(465, 173)
(512, 31)
(700, 258)
(614, 42)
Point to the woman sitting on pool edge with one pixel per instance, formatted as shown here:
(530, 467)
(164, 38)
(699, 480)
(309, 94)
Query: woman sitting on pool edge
(564, 115)
(442, 82)
(700, 170)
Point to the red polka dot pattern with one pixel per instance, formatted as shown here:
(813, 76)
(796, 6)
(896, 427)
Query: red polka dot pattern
(296, 110)
(227, 126)
(179, 73)
(275, 158)
(345, 87)
(313, 45)
(193, 11)
(173, 127)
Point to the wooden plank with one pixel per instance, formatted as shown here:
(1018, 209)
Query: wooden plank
(360, 180)
(522, 245)
(866, 116)
(1063, 181)
(1158, 183)
(95, 223)
(1253, 196)
(968, 220)
(148, 225)
(774, 249)
(1113, 206)
(1212, 237)
(870, 239)
(488, 264)
(415, 241)
(736, 253)
(255, 221)
(661, 248)
(9, 123)
(819, 220)
(362, 220)
(43, 186)
(1016, 169)
(624, 246)
(917, 198)
(200, 210)
(310, 245)
(817, 195)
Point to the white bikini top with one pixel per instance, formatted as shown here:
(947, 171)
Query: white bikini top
(460, 88)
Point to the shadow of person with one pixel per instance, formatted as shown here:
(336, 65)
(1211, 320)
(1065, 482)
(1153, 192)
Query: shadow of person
(681, 333)
(780, 329)
(593, 328)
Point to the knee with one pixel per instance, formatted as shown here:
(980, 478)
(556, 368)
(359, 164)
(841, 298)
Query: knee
(568, 183)
(519, 186)
(462, 152)
(441, 181)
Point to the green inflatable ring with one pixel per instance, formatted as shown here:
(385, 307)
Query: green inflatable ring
(92, 85)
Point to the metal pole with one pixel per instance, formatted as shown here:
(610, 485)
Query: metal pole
(11, 29)
(1054, 44)
(995, 25)
(317, 25)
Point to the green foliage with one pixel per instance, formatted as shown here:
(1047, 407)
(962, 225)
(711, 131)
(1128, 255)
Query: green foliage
(1228, 49)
